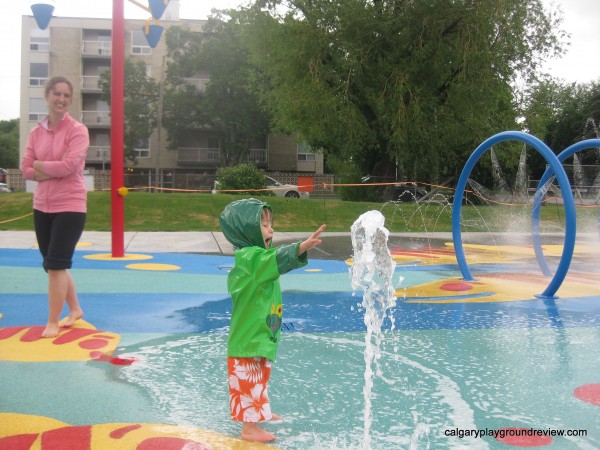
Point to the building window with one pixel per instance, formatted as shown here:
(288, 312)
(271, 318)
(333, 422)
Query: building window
(139, 44)
(37, 109)
(39, 40)
(38, 74)
(305, 153)
(198, 83)
(103, 41)
(142, 149)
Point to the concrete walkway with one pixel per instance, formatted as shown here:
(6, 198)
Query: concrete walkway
(152, 242)
(176, 242)
(213, 242)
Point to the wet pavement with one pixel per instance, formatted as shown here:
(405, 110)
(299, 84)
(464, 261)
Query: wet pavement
(144, 370)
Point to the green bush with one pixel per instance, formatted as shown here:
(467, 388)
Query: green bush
(242, 179)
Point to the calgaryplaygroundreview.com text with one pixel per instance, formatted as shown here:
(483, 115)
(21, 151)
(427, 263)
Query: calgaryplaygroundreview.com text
(512, 432)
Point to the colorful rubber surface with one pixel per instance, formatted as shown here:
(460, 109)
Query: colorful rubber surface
(146, 369)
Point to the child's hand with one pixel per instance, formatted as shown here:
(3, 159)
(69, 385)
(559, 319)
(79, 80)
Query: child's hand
(311, 241)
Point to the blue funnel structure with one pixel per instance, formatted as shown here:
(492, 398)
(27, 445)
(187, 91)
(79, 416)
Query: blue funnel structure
(565, 187)
(157, 7)
(152, 33)
(539, 195)
(42, 12)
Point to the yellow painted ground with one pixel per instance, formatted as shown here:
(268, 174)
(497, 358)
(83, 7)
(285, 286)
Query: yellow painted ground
(110, 257)
(150, 266)
(496, 288)
(27, 431)
(483, 254)
(81, 342)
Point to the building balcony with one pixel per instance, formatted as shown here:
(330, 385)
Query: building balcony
(211, 156)
(90, 84)
(98, 154)
(258, 156)
(96, 119)
(95, 49)
(197, 156)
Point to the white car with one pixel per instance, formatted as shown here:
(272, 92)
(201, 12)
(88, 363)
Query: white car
(279, 189)
(5, 188)
(285, 190)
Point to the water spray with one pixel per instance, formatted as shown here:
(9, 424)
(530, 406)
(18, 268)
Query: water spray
(372, 271)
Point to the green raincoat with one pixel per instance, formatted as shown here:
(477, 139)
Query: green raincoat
(253, 283)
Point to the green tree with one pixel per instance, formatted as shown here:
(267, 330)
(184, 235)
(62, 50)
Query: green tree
(576, 120)
(392, 87)
(541, 102)
(140, 104)
(225, 105)
(182, 111)
(9, 144)
(561, 114)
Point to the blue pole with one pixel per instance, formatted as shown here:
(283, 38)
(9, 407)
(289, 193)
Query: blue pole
(539, 195)
(565, 186)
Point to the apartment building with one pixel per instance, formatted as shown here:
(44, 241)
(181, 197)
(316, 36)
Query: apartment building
(81, 49)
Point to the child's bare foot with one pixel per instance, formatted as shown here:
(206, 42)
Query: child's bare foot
(74, 316)
(252, 432)
(51, 330)
(275, 416)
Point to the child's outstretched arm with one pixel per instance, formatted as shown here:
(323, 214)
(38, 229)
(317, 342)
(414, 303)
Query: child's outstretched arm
(311, 241)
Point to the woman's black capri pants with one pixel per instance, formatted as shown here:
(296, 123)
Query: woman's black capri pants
(57, 235)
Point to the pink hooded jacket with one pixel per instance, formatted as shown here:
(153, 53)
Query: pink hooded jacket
(63, 152)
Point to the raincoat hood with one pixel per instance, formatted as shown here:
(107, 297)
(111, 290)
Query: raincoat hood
(240, 223)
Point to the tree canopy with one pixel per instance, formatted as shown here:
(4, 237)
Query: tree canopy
(9, 143)
(396, 86)
(140, 104)
(224, 104)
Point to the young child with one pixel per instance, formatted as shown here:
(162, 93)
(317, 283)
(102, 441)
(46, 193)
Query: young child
(256, 317)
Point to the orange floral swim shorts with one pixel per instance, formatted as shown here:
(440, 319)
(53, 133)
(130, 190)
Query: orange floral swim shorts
(248, 394)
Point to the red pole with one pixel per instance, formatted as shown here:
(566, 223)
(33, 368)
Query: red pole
(117, 129)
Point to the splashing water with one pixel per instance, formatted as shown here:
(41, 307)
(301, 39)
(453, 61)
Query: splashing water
(578, 175)
(520, 191)
(501, 184)
(372, 271)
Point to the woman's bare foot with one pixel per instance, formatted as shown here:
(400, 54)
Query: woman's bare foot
(252, 432)
(51, 330)
(74, 316)
(275, 416)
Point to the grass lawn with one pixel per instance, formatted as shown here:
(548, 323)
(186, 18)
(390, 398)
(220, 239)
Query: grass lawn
(146, 211)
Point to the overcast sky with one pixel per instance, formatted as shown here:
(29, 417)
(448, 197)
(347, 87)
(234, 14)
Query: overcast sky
(581, 20)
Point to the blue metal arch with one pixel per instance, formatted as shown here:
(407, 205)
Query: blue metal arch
(565, 186)
(539, 195)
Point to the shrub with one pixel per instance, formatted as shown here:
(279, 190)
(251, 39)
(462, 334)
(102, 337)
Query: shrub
(243, 178)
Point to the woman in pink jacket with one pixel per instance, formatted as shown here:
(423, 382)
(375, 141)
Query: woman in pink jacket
(55, 158)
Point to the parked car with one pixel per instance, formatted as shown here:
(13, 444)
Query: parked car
(4, 188)
(3, 175)
(285, 190)
(279, 189)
